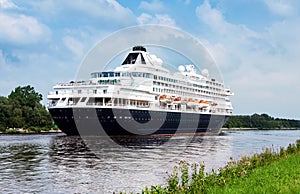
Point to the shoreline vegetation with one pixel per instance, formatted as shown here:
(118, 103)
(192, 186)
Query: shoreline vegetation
(259, 122)
(21, 131)
(272, 171)
(22, 112)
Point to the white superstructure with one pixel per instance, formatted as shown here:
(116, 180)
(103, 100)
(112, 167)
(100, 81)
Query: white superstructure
(142, 82)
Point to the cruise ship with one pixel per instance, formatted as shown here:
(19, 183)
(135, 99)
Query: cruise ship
(141, 97)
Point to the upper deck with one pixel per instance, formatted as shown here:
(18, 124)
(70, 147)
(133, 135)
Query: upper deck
(142, 79)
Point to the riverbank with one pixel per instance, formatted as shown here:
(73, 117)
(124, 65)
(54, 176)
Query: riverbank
(282, 176)
(37, 131)
(260, 121)
(255, 128)
(273, 171)
(21, 131)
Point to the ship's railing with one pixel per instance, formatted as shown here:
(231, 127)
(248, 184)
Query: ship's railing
(99, 82)
(147, 106)
(109, 104)
(115, 105)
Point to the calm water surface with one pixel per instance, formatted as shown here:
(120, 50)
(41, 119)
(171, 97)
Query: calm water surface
(61, 164)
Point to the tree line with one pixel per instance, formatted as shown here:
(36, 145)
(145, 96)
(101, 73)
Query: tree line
(261, 121)
(22, 109)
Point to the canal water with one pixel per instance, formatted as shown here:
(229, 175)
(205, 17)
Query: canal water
(59, 164)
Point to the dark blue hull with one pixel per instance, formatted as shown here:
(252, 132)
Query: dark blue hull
(116, 121)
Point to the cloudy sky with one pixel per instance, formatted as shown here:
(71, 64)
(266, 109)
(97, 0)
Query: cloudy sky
(256, 43)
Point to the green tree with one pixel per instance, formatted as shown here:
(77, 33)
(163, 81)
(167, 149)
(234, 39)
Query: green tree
(25, 96)
(5, 112)
(22, 109)
(17, 120)
(263, 121)
(40, 117)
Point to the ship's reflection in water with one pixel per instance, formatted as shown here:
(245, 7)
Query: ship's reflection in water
(100, 164)
(61, 164)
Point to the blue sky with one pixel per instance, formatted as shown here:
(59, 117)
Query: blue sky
(255, 43)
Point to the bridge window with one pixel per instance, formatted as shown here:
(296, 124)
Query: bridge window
(131, 58)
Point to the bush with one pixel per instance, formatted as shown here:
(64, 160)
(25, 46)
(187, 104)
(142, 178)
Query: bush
(44, 128)
(34, 129)
(12, 131)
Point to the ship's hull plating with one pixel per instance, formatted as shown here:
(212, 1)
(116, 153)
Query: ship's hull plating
(117, 121)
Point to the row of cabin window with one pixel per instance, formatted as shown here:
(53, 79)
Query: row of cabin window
(184, 82)
(136, 74)
(122, 74)
(191, 89)
(149, 75)
(160, 90)
(215, 97)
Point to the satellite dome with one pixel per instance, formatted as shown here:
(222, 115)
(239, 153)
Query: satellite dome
(181, 68)
(205, 72)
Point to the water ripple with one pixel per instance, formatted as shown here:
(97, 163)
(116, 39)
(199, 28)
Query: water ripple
(60, 164)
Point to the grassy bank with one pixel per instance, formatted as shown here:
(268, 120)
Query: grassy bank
(282, 176)
(273, 171)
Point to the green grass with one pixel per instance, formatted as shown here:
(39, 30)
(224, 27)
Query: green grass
(267, 172)
(282, 176)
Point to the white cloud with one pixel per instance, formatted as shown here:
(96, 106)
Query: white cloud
(282, 7)
(144, 18)
(3, 65)
(161, 19)
(228, 40)
(84, 12)
(74, 45)
(155, 5)
(210, 16)
(215, 20)
(261, 67)
(73, 26)
(34, 69)
(21, 29)
(6, 4)
(165, 19)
